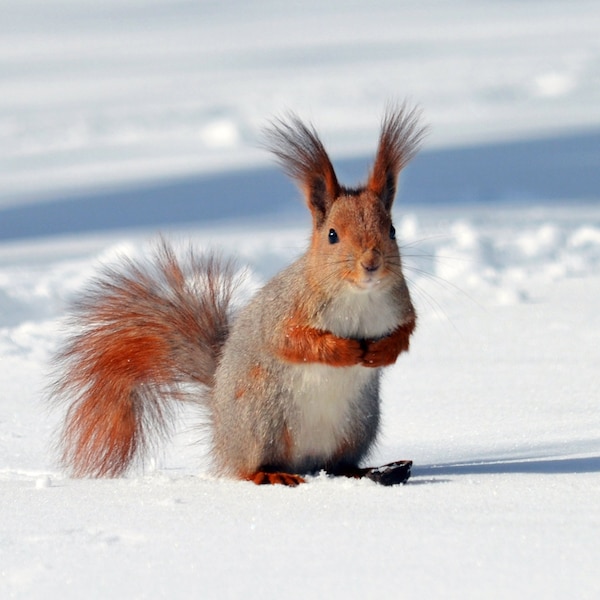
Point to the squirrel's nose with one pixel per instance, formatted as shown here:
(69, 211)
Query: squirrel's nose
(371, 260)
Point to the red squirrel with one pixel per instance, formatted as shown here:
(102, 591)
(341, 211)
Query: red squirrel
(289, 384)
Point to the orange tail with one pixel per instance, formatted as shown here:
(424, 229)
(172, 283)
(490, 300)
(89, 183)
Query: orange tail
(141, 334)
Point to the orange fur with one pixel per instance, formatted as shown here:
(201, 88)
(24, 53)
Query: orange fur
(303, 344)
(385, 351)
(104, 430)
(266, 477)
(306, 344)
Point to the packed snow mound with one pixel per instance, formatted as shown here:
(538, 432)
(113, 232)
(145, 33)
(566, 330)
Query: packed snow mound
(490, 260)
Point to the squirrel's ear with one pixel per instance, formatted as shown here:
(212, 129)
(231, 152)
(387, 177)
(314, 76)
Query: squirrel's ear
(399, 141)
(303, 157)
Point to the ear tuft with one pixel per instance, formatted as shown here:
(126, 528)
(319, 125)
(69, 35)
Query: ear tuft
(303, 157)
(400, 138)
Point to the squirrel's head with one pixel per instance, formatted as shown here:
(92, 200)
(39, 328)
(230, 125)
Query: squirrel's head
(353, 240)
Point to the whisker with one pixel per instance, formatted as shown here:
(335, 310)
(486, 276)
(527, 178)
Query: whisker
(431, 238)
(436, 306)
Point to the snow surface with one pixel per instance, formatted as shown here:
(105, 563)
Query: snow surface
(123, 119)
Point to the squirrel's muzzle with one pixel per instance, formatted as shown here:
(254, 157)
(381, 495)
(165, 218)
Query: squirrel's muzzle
(371, 261)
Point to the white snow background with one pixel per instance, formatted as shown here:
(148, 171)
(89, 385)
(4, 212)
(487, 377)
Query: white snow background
(123, 119)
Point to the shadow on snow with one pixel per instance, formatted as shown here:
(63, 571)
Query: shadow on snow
(510, 466)
(560, 168)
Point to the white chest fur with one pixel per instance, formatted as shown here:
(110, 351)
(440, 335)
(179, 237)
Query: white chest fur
(361, 314)
(323, 399)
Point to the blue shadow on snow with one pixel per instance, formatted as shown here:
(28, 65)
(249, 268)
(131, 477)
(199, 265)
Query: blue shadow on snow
(539, 465)
(554, 169)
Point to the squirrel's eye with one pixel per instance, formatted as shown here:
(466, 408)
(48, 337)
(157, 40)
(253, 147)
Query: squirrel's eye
(392, 232)
(333, 237)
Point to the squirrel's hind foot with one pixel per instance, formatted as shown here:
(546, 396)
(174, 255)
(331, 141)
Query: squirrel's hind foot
(276, 477)
(393, 473)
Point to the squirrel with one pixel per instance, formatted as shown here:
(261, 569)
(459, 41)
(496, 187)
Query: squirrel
(290, 384)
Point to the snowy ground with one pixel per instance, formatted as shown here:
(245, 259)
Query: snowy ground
(122, 119)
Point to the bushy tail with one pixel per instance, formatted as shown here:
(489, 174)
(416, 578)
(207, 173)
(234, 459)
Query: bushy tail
(140, 334)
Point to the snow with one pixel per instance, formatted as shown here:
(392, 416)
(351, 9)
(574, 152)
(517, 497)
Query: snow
(122, 120)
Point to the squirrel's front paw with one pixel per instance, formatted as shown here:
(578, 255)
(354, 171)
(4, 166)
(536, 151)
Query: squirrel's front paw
(341, 352)
(309, 345)
(379, 353)
(385, 351)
